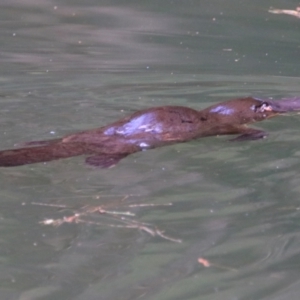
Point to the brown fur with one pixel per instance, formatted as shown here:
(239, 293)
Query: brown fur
(151, 128)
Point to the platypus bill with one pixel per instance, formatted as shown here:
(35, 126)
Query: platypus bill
(152, 128)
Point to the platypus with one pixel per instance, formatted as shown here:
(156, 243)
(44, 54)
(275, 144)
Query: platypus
(152, 128)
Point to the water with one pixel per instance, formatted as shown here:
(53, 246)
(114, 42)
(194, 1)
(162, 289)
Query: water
(67, 66)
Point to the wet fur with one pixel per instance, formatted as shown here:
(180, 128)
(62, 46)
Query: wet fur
(152, 128)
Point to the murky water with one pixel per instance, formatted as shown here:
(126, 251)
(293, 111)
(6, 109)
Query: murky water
(67, 66)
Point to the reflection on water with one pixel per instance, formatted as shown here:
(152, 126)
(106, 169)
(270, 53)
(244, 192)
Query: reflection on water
(93, 37)
(67, 67)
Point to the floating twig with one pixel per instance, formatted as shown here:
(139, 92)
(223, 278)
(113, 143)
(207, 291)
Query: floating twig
(295, 13)
(206, 263)
(122, 217)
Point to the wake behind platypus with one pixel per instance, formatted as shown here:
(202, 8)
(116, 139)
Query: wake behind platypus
(152, 128)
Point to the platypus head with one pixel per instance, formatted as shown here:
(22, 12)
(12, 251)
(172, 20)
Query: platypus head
(284, 105)
(249, 110)
(269, 108)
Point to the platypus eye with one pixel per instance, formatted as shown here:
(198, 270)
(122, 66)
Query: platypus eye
(263, 107)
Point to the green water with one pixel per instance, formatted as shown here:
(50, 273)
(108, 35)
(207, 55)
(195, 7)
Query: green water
(73, 65)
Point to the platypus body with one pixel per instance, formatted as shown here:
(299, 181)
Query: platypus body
(152, 128)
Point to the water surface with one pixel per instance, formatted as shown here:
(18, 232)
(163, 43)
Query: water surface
(67, 66)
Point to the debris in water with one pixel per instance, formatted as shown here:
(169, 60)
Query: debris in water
(295, 13)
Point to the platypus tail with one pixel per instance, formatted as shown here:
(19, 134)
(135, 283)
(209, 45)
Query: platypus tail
(45, 152)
